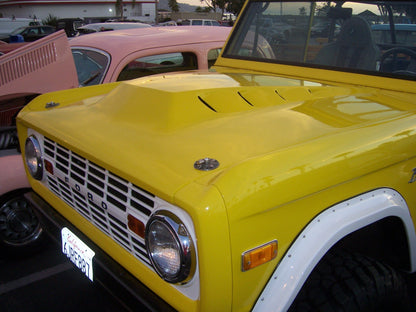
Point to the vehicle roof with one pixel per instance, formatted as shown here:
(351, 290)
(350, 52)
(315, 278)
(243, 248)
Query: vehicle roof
(150, 37)
(37, 26)
(70, 19)
(119, 25)
(200, 19)
(21, 28)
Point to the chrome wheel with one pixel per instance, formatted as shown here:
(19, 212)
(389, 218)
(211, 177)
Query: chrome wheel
(19, 226)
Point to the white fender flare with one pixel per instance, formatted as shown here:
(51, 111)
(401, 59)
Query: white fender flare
(322, 233)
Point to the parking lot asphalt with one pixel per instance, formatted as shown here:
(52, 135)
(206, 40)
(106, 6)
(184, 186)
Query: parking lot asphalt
(47, 281)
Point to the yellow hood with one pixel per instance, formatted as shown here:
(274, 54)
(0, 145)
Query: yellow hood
(154, 129)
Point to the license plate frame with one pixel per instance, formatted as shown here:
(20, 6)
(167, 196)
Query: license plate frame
(78, 252)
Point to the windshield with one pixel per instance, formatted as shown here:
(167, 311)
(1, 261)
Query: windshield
(18, 31)
(346, 36)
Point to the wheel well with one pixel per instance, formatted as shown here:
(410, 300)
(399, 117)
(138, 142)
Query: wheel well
(384, 240)
(3, 197)
(376, 224)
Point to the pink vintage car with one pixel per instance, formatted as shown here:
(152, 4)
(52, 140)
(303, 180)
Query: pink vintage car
(132, 53)
(48, 65)
(25, 72)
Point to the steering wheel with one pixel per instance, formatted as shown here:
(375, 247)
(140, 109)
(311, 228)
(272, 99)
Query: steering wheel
(394, 52)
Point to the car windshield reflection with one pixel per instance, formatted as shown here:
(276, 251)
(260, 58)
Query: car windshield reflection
(91, 65)
(346, 36)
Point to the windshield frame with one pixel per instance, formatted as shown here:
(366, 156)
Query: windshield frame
(245, 23)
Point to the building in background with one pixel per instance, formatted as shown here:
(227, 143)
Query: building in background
(140, 10)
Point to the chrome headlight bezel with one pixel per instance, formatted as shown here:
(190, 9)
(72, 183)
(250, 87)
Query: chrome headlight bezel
(34, 157)
(159, 249)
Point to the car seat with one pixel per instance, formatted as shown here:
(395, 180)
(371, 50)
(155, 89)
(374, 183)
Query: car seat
(354, 47)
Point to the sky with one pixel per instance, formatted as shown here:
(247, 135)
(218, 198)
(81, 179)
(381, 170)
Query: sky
(357, 7)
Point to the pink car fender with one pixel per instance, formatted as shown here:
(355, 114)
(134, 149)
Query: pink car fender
(13, 175)
(42, 66)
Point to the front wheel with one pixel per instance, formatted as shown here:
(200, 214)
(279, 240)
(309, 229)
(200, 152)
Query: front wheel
(20, 229)
(344, 282)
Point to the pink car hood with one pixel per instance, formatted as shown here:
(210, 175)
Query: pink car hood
(42, 66)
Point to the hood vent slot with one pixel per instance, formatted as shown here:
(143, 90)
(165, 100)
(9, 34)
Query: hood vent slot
(281, 96)
(219, 106)
(245, 99)
(206, 104)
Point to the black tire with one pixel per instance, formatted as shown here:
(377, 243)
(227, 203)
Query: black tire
(20, 229)
(346, 282)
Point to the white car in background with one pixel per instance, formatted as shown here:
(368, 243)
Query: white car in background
(200, 22)
(97, 27)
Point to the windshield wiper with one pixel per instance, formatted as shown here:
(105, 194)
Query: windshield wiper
(91, 78)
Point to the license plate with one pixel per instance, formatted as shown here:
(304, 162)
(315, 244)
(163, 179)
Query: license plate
(78, 252)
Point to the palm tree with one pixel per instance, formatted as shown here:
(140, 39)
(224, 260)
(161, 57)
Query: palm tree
(119, 8)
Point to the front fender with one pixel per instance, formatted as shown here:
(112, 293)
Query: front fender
(322, 233)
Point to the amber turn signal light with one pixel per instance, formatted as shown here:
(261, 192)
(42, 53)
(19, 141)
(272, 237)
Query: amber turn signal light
(135, 225)
(48, 166)
(259, 255)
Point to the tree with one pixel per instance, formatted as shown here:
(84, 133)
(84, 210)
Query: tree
(50, 20)
(173, 5)
(216, 4)
(200, 9)
(405, 9)
(323, 9)
(234, 6)
(119, 8)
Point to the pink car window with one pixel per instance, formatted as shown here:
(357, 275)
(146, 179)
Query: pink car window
(91, 66)
(156, 64)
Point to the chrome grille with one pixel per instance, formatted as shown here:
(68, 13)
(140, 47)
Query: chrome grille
(99, 195)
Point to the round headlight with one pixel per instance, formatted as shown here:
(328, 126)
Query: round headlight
(33, 157)
(170, 247)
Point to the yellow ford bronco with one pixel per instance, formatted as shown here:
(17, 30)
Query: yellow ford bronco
(285, 180)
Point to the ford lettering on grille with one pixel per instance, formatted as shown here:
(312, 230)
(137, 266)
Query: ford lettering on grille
(102, 197)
